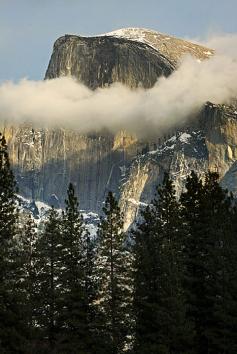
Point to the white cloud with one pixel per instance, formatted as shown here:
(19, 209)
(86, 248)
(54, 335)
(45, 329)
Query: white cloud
(66, 103)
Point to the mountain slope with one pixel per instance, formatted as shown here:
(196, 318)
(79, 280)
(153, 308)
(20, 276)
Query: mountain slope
(46, 160)
(131, 56)
(100, 61)
(171, 47)
(211, 144)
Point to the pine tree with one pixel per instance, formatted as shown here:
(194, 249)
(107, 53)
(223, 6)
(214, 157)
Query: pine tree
(205, 206)
(161, 325)
(224, 337)
(220, 264)
(29, 278)
(89, 275)
(114, 297)
(91, 282)
(11, 322)
(76, 336)
(146, 290)
(48, 283)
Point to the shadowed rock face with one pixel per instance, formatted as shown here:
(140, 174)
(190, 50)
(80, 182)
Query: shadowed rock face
(101, 61)
(46, 160)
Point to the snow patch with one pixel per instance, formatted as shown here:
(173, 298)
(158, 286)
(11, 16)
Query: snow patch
(172, 139)
(135, 202)
(26, 205)
(135, 34)
(184, 138)
(42, 206)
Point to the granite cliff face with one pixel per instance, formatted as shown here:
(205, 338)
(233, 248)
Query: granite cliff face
(131, 56)
(171, 47)
(210, 144)
(100, 61)
(46, 160)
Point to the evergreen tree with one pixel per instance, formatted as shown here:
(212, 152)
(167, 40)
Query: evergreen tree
(220, 265)
(224, 336)
(76, 337)
(29, 278)
(48, 283)
(146, 274)
(91, 282)
(114, 297)
(161, 325)
(11, 322)
(205, 206)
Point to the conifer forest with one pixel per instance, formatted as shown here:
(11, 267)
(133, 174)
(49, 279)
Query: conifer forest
(167, 286)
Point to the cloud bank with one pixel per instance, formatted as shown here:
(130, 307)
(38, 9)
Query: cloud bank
(63, 102)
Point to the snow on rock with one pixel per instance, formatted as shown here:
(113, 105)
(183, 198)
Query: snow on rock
(39, 211)
(184, 138)
(183, 152)
(169, 46)
(138, 203)
(173, 138)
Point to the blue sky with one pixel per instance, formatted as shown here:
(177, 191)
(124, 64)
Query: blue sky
(28, 28)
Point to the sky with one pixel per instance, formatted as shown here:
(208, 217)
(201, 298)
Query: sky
(28, 28)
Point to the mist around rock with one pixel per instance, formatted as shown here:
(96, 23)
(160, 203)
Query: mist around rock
(63, 102)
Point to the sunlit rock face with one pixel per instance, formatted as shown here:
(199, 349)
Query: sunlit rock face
(219, 123)
(101, 61)
(220, 126)
(178, 155)
(46, 160)
(210, 144)
(132, 56)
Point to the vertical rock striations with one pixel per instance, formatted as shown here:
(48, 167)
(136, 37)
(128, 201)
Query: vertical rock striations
(46, 160)
(101, 61)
